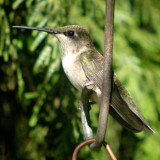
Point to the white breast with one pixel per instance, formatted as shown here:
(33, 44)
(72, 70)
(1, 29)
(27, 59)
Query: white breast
(68, 61)
(74, 71)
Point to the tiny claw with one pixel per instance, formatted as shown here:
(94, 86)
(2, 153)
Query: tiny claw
(91, 103)
(89, 107)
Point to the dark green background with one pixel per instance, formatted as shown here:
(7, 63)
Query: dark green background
(39, 118)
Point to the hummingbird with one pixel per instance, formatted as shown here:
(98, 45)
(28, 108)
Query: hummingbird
(83, 65)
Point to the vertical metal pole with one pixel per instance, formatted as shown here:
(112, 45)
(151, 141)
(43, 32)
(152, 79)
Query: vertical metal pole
(107, 76)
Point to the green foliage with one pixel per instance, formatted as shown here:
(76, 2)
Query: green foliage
(39, 116)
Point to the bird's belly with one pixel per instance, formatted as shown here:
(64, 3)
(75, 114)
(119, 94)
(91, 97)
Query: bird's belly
(74, 71)
(77, 78)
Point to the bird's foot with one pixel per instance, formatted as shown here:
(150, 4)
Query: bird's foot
(89, 106)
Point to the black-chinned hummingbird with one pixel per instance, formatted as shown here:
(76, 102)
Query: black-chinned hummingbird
(83, 65)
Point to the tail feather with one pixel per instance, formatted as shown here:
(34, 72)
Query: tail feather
(127, 114)
(149, 129)
(124, 123)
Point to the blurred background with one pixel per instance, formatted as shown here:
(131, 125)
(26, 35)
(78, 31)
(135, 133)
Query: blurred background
(39, 118)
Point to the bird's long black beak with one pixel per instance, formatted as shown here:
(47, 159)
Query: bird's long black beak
(50, 31)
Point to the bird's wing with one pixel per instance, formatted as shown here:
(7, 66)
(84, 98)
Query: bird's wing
(130, 103)
(124, 108)
(92, 63)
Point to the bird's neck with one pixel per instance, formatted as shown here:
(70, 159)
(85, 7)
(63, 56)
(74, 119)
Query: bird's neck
(73, 51)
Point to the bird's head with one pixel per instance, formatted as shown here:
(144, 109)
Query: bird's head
(72, 38)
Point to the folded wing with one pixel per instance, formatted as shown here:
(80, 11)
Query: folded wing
(123, 109)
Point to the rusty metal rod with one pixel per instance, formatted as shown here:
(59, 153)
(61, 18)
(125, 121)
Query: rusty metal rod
(89, 141)
(107, 76)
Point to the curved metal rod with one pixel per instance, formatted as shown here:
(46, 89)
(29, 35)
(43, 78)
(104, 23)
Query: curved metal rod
(89, 141)
(107, 76)
(111, 154)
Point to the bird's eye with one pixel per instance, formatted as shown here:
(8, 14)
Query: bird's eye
(69, 33)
